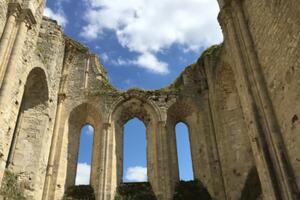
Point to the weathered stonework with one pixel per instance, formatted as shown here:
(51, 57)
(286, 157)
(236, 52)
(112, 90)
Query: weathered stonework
(240, 100)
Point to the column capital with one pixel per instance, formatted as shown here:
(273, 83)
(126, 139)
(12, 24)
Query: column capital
(28, 17)
(14, 9)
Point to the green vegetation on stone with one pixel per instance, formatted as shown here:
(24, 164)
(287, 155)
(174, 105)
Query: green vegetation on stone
(214, 49)
(191, 190)
(135, 191)
(79, 192)
(12, 188)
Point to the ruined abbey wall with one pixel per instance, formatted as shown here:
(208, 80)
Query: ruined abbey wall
(240, 101)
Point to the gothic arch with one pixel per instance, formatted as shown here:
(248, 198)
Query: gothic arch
(30, 134)
(186, 112)
(230, 128)
(81, 115)
(124, 110)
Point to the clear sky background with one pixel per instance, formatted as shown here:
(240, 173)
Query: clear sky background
(141, 43)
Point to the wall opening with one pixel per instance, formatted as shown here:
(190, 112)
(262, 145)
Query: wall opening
(26, 150)
(135, 152)
(28, 145)
(184, 152)
(84, 159)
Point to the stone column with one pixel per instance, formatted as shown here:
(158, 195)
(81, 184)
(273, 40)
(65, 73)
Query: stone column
(100, 190)
(8, 35)
(265, 135)
(109, 183)
(172, 154)
(25, 21)
(164, 178)
(49, 173)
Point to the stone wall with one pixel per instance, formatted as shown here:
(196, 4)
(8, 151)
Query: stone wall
(230, 129)
(277, 42)
(3, 11)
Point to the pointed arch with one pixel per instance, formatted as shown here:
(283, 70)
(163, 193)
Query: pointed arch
(81, 115)
(84, 156)
(26, 151)
(230, 127)
(183, 112)
(185, 163)
(124, 110)
(134, 152)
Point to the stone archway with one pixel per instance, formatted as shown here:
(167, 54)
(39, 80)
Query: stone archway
(187, 113)
(122, 112)
(80, 116)
(230, 128)
(26, 155)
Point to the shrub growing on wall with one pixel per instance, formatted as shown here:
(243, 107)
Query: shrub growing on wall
(191, 190)
(135, 191)
(79, 192)
(11, 187)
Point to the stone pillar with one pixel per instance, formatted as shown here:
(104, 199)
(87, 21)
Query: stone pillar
(8, 36)
(25, 21)
(100, 191)
(172, 154)
(218, 186)
(265, 135)
(109, 182)
(49, 172)
(166, 184)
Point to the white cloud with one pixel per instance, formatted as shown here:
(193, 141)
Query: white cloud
(136, 174)
(83, 174)
(148, 27)
(151, 63)
(145, 60)
(59, 16)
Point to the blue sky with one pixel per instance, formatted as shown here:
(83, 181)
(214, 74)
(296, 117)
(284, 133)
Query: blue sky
(141, 43)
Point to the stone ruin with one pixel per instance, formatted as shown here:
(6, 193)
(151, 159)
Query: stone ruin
(240, 101)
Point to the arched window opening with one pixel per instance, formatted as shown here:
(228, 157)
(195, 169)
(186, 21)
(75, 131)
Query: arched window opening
(135, 149)
(184, 152)
(84, 159)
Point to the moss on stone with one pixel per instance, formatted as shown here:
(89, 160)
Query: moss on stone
(12, 188)
(135, 191)
(79, 192)
(191, 190)
(213, 50)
